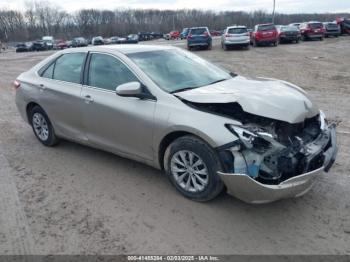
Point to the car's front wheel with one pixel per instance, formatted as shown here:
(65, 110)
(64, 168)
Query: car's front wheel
(42, 127)
(192, 165)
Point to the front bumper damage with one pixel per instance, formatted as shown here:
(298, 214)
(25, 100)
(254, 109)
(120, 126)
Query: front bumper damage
(249, 190)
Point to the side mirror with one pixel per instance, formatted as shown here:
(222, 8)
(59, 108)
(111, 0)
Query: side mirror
(131, 89)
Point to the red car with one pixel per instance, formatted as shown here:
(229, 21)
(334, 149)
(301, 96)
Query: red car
(172, 35)
(265, 34)
(61, 44)
(215, 33)
(312, 30)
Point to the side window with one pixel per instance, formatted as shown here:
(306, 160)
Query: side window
(49, 71)
(68, 67)
(108, 72)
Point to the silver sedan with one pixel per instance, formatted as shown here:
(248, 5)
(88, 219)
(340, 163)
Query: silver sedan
(210, 130)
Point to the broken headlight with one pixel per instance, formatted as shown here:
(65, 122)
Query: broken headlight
(252, 137)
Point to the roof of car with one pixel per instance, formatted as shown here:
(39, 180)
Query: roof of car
(125, 49)
(237, 26)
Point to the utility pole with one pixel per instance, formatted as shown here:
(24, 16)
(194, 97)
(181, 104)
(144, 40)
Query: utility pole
(273, 11)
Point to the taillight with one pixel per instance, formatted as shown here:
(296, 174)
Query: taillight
(206, 34)
(16, 84)
(189, 36)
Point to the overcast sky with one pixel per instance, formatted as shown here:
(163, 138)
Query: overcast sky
(282, 6)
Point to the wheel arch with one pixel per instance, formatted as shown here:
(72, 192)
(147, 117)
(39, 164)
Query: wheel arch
(29, 107)
(171, 137)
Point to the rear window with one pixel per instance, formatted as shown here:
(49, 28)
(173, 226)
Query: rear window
(331, 25)
(315, 25)
(198, 31)
(266, 27)
(289, 28)
(237, 30)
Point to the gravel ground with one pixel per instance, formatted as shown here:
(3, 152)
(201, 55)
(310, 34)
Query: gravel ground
(72, 199)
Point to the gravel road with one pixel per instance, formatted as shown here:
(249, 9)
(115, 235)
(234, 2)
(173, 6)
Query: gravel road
(72, 199)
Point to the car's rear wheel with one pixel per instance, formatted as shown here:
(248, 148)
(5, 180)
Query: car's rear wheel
(42, 127)
(192, 166)
(210, 46)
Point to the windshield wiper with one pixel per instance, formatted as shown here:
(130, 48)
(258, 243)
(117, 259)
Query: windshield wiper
(183, 89)
(217, 81)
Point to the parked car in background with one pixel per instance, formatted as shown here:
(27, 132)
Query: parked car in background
(172, 35)
(114, 40)
(331, 29)
(265, 34)
(312, 30)
(288, 34)
(39, 45)
(97, 40)
(145, 36)
(155, 35)
(69, 43)
(49, 41)
(184, 33)
(24, 47)
(210, 130)
(235, 36)
(79, 42)
(344, 24)
(295, 24)
(215, 33)
(107, 41)
(250, 31)
(61, 44)
(199, 37)
(133, 39)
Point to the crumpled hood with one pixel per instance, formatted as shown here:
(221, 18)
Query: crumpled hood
(265, 97)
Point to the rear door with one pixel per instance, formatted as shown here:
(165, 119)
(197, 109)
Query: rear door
(114, 123)
(60, 88)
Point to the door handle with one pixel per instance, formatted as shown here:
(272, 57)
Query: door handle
(88, 99)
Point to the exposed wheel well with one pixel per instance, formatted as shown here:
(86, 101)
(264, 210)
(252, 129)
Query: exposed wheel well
(30, 106)
(167, 140)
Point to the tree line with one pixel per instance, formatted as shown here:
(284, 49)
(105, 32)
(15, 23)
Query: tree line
(43, 18)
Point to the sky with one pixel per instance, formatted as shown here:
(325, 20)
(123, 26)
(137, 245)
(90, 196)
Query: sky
(282, 6)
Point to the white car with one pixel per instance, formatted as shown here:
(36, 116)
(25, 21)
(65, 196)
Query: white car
(235, 36)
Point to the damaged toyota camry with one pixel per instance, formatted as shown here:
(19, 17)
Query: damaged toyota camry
(210, 130)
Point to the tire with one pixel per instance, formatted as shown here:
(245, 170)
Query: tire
(225, 47)
(255, 43)
(42, 127)
(201, 151)
(210, 46)
(189, 48)
(321, 38)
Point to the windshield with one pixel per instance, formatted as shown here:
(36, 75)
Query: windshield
(239, 30)
(176, 70)
(266, 27)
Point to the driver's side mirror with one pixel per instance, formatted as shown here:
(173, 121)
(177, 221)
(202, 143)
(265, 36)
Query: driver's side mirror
(133, 89)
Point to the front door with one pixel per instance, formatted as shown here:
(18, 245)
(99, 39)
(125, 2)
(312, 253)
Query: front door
(115, 123)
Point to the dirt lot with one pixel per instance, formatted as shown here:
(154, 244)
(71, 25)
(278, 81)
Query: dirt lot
(73, 199)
